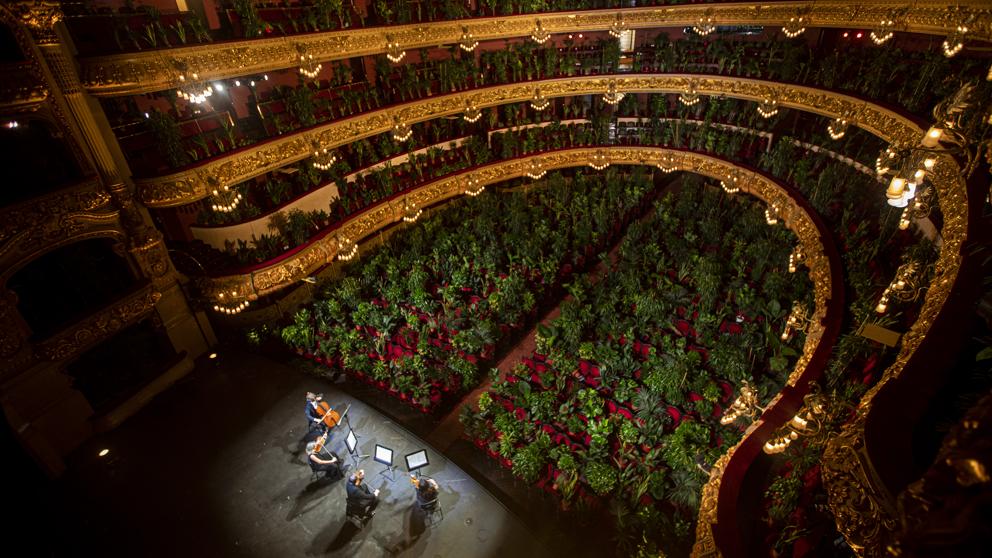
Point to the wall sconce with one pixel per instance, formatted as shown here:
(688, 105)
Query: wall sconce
(768, 108)
(746, 405)
(472, 187)
(539, 101)
(231, 303)
(905, 287)
(837, 128)
(798, 320)
(599, 160)
(467, 42)
(472, 113)
(401, 130)
(612, 96)
(704, 26)
(796, 257)
(536, 170)
(809, 421)
(618, 27)
(393, 51)
(323, 158)
(539, 35)
(347, 249)
(667, 163)
(795, 26)
(690, 96)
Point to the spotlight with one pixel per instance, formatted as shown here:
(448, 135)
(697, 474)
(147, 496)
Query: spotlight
(103, 452)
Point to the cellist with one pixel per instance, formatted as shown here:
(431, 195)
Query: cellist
(313, 416)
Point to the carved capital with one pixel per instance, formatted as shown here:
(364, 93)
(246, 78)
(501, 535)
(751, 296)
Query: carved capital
(39, 16)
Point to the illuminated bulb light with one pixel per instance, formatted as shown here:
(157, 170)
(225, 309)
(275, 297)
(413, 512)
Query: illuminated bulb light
(929, 163)
(412, 218)
(472, 114)
(882, 306)
(731, 188)
(771, 216)
(837, 128)
(467, 42)
(768, 108)
(476, 192)
(540, 35)
(15, 124)
(932, 137)
(954, 43)
(795, 27)
(881, 34)
(393, 51)
(308, 67)
(619, 27)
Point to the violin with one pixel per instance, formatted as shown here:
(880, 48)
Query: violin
(321, 442)
(329, 416)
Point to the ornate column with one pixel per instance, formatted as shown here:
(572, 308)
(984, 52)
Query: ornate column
(90, 126)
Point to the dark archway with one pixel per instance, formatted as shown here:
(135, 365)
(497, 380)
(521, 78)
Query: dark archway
(10, 50)
(69, 283)
(118, 367)
(43, 160)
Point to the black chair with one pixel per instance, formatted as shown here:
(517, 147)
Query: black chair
(432, 509)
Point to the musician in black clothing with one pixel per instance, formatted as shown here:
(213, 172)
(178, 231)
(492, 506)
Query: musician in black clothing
(362, 500)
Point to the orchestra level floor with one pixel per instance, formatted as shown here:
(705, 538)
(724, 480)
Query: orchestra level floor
(214, 467)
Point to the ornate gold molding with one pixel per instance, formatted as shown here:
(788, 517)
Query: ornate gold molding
(860, 503)
(99, 326)
(323, 251)
(144, 72)
(195, 183)
(41, 224)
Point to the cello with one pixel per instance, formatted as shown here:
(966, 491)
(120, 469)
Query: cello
(328, 416)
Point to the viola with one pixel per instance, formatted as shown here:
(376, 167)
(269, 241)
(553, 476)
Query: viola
(329, 416)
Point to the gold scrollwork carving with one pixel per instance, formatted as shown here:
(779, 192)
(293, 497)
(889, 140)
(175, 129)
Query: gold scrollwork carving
(99, 326)
(143, 72)
(194, 184)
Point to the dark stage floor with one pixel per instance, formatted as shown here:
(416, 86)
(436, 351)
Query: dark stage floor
(214, 467)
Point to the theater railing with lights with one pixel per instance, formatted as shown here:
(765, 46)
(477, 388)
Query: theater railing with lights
(147, 71)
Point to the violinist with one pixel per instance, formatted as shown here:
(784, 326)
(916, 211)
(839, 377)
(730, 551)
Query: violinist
(322, 459)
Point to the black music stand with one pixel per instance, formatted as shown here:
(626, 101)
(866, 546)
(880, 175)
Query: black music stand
(416, 461)
(384, 455)
(351, 442)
